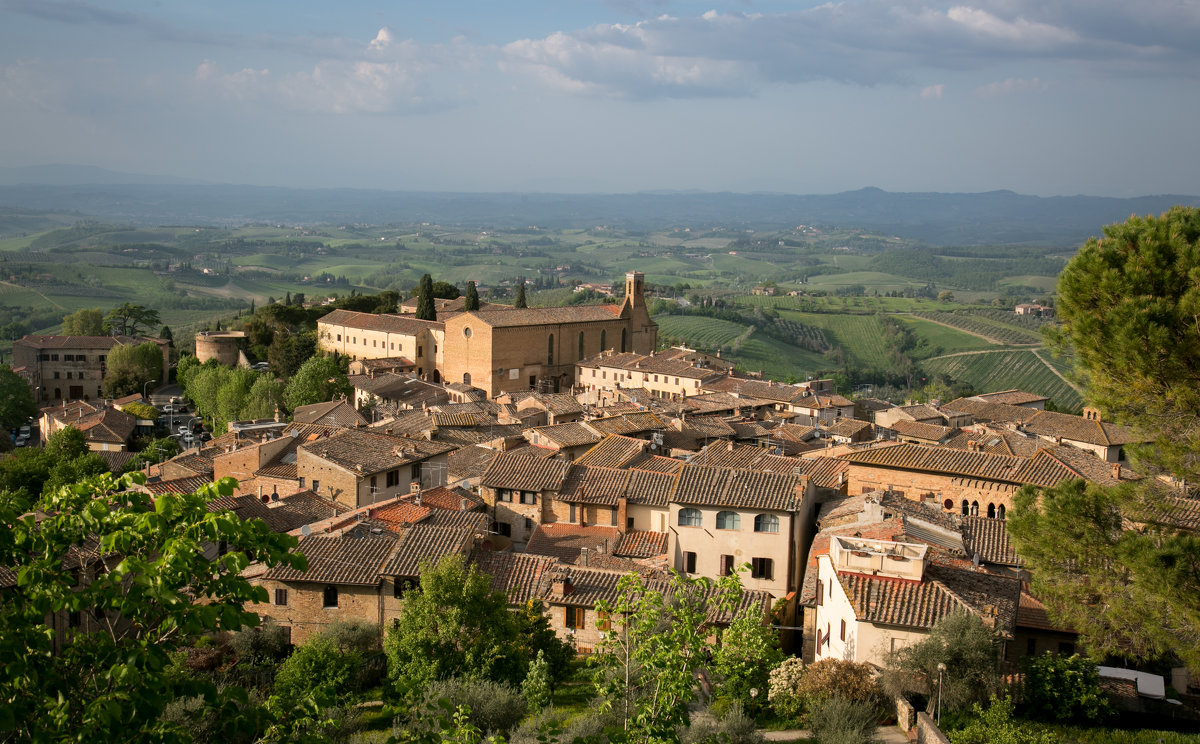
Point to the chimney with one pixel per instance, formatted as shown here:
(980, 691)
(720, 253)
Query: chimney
(561, 586)
(462, 504)
(1116, 470)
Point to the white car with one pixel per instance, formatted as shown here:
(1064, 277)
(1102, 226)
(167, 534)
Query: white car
(24, 431)
(21, 440)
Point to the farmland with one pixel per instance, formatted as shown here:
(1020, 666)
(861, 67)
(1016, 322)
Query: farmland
(1007, 369)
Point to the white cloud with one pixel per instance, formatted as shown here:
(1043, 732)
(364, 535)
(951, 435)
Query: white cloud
(382, 40)
(933, 92)
(1013, 85)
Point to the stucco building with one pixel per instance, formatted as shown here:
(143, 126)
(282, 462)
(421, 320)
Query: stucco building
(73, 367)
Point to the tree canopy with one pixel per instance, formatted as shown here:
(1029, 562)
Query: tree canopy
(521, 301)
(426, 308)
(445, 290)
(104, 589)
(456, 626)
(130, 366)
(1122, 565)
(16, 399)
(128, 319)
(319, 379)
(85, 322)
(471, 303)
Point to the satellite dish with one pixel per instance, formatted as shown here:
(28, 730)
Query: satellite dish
(306, 530)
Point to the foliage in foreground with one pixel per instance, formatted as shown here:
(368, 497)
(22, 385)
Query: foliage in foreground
(131, 570)
(970, 653)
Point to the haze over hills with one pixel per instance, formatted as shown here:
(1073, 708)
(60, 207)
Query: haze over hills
(995, 217)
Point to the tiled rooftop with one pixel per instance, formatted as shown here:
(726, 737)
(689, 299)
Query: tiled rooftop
(339, 560)
(422, 544)
(520, 473)
(368, 452)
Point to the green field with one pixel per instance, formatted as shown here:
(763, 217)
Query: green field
(859, 336)
(1005, 370)
(698, 332)
(940, 339)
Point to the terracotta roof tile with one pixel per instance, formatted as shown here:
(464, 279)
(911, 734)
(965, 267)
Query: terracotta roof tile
(368, 452)
(1012, 397)
(520, 473)
(641, 544)
(594, 485)
(518, 575)
(469, 462)
(544, 315)
(334, 413)
(705, 486)
(988, 538)
(918, 430)
(568, 542)
(338, 560)
(421, 544)
(614, 451)
(566, 435)
(388, 323)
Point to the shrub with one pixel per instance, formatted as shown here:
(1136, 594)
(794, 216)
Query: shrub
(995, 726)
(1064, 688)
(319, 670)
(783, 682)
(536, 687)
(354, 635)
(734, 727)
(493, 706)
(836, 678)
(966, 647)
(837, 720)
(262, 645)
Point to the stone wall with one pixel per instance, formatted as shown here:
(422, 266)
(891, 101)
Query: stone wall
(928, 732)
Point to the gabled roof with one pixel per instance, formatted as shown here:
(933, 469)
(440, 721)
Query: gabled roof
(847, 427)
(542, 315)
(469, 462)
(338, 560)
(595, 485)
(1041, 470)
(401, 324)
(641, 544)
(334, 412)
(568, 435)
(614, 451)
(766, 390)
(83, 342)
(943, 590)
(1012, 397)
(368, 451)
(1053, 424)
(988, 539)
(706, 486)
(569, 542)
(422, 544)
(520, 473)
(918, 430)
(521, 576)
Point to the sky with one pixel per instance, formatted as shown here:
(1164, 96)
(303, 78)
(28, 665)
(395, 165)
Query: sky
(1046, 97)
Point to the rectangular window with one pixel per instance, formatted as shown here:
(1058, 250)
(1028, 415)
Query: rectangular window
(302, 483)
(420, 351)
(528, 497)
(726, 565)
(573, 617)
(416, 472)
(820, 592)
(843, 630)
(572, 518)
(689, 562)
(602, 621)
(393, 478)
(503, 494)
(762, 568)
(613, 513)
(281, 597)
(528, 524)
(504, 528)
(316, 486)
(331, 596)
(1030, 646)
(628, 523)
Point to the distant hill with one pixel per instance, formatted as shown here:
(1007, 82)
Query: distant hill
(996, 217)
(77, 175)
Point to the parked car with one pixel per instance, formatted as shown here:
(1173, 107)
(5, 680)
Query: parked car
(187, 438)
(169, 408)
(24, 431)
(21, 440)
(205, 436)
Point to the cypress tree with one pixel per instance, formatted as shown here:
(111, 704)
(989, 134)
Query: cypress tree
(521, 294)
(472, 301)
(426, 310)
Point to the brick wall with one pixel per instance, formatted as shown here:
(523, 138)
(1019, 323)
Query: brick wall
(864, 478)
(332, 481)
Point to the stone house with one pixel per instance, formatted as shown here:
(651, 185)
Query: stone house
(357, 467)
(520, 492)
(73, 367)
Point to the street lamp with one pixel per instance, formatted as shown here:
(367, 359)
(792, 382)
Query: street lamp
(941, 668)
(144, 385)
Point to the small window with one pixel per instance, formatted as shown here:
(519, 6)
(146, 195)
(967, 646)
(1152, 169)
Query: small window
(726, 565)
(466, 378)
(602, 621)
(573, 518)
(316, 486)
(504, 529)
(528, 497)
(393, 478)
(281, 597)
(573, 617)
(1030, 646)
(528, 524)
(629, 524)
(820, 592)
(766, 523)
(331, 596)
(690, 518)
(762, 568)
(466, 331)
(728, 520)
(689, 562)
(503, 494)
(843, 636)
(301, 483)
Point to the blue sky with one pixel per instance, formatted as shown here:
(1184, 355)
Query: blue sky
(1038, 96)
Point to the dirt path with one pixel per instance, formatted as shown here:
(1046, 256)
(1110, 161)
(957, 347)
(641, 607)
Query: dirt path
(39, 294)
(989, 339)
(1076, 388)
(980, 351)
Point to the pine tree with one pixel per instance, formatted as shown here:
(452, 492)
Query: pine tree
(472, 302)
(426, 310)
(521, 294)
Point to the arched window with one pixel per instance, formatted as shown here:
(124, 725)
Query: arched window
(766, 523)
(603, 340)
(466, 378)
(991, 511)
(966, 507)
(550, 349)
(1000, 511)
(690, 518)
(974, 508)
(622, 340)
(581, 344)
(728, 520)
